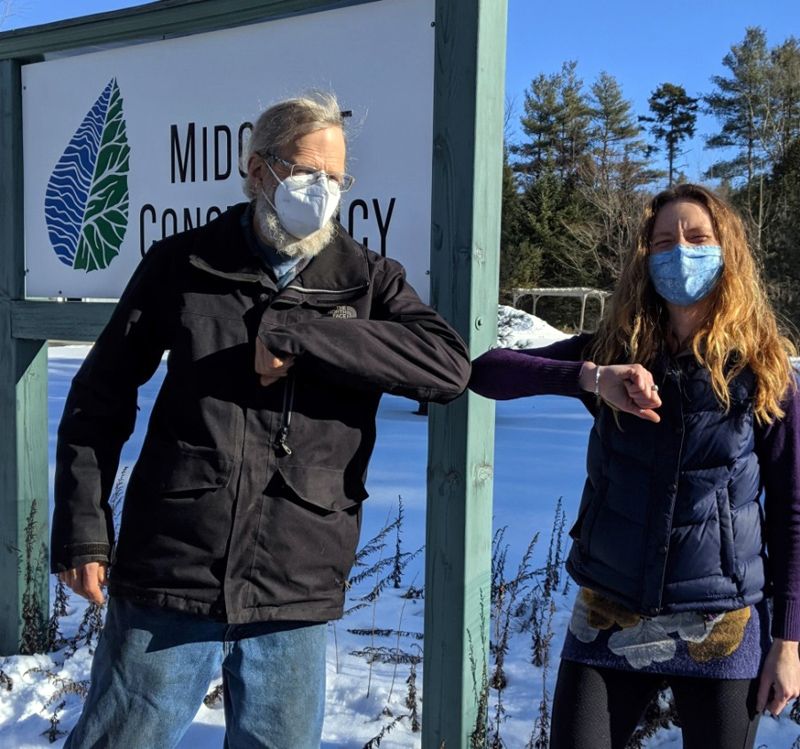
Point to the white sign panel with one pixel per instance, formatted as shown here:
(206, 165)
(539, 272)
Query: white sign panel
(125, 146)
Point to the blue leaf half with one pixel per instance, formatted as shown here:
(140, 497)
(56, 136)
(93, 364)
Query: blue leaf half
(68, 189)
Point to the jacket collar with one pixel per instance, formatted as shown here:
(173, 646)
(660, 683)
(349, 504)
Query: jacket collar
(338, 271)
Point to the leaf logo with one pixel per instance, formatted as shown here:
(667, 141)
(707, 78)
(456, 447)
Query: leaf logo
(86, 202)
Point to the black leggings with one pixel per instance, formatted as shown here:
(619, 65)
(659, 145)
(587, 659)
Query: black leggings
(599, 708)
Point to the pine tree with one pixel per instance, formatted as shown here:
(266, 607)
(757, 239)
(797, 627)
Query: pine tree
(556, 121)
(784, 107)
(576, 115)
(781, 236)
(614, 130)
(512, 255)
(741, 104)
(612, 192)
(540, 124)
(758, 108)
(673, 121)
(551, 163)
(778, 231)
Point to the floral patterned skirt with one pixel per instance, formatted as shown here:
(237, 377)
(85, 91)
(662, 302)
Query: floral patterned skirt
(730, 645)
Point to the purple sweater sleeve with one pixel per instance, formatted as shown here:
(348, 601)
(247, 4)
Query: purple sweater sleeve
(778, 449)
(503, 374)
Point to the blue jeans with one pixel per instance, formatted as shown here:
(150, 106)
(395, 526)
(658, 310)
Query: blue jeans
(153, 667)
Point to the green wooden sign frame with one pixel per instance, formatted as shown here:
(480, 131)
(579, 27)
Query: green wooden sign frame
(467, 169)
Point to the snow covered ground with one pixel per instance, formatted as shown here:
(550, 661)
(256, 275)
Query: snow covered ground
(540, 445)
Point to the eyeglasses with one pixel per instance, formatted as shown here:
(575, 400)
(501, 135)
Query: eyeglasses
(343, 182)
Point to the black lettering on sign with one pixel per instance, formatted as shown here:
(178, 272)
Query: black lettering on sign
(187, 218)
(174, 216)
(221, 173)
(383, 223)
(151, 209)
(205, 154)
(214, 142)
(192, 218)
(185, 161)
(383, 228)
(365, 215)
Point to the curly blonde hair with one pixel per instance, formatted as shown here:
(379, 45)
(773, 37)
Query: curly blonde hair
(740, 330)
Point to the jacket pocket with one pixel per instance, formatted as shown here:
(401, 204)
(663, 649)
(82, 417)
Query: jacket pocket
(586, 501)
(727, 546)
(324, 488)
(311, 529)
(591, 503)
(183, 469)
(176, 506)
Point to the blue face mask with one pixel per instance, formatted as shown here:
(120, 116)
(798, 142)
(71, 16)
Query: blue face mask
(685, 275)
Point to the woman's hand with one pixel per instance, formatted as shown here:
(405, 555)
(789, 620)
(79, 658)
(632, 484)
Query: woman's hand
(780, 677)
(628, 387)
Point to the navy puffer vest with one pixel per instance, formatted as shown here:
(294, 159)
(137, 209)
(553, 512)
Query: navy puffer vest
(669, 519)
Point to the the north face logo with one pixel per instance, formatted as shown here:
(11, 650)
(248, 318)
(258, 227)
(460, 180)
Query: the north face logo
(343, 313)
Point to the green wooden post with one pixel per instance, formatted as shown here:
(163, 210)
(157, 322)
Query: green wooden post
(60, 321)
(23, 400)
(467, 175)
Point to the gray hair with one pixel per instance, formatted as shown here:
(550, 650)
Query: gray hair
(285, 122)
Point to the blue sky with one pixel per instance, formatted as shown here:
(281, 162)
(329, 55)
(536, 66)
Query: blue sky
(642, 44)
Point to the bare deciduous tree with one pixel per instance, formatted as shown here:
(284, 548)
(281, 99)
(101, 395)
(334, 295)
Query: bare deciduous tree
(8, 8)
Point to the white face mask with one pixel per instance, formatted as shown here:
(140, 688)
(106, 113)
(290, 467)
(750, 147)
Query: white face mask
(304, 204)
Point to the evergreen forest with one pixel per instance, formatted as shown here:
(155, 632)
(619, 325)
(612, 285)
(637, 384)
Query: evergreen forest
(576, 179)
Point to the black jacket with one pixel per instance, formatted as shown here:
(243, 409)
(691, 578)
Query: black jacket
(245, 503)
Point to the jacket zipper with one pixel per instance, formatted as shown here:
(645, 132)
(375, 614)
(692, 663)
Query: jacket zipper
(304, 290)
(679, 374)
(281, 440)
(244, 277)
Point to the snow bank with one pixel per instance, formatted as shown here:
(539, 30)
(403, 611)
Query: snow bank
(519, 330)
(70, 351)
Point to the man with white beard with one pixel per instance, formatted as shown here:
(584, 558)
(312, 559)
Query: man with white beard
(242, 513)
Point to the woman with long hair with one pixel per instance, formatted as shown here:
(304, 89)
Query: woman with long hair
(687, 539)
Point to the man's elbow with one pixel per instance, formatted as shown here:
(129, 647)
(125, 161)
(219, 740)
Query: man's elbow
(453, 382)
